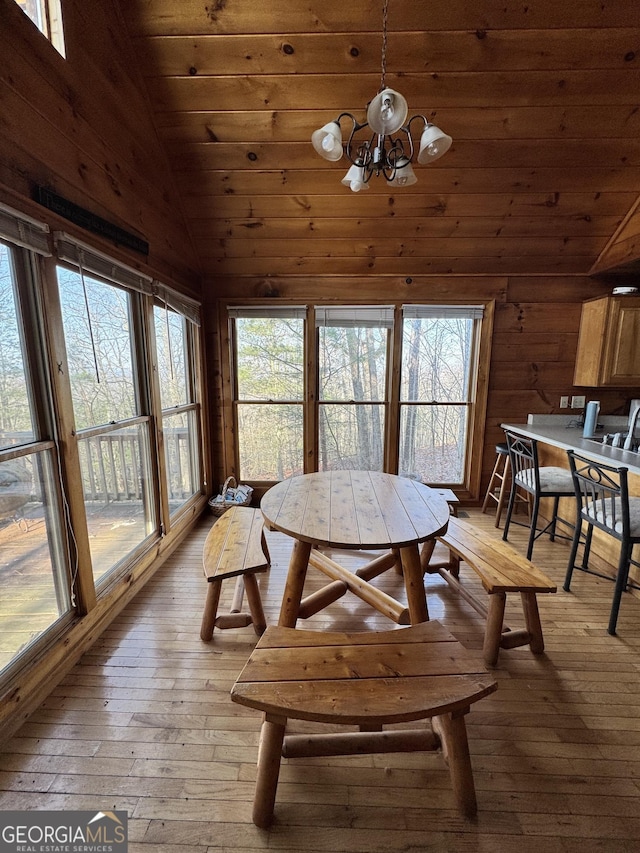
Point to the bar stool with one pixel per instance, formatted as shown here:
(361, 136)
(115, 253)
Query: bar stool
(499, 481)
(603, 501)
(546, 482)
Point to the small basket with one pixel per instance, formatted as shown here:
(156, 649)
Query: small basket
(232, 494)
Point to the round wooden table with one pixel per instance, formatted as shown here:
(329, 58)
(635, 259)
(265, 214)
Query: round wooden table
(360, 510)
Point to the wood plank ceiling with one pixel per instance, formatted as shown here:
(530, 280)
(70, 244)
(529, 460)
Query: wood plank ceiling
(541, 99)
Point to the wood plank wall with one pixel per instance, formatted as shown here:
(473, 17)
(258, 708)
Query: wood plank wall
(82, 127)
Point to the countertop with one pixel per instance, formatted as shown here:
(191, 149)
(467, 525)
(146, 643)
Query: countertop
(570, 438)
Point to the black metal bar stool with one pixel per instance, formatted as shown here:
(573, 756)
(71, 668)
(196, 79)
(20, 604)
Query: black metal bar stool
(546, 482)
(603, 501)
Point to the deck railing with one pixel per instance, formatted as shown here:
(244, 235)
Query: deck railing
(112, 468)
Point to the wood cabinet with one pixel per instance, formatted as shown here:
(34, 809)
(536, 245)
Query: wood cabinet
(609, 342)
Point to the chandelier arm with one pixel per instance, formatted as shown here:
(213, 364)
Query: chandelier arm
(363, 155)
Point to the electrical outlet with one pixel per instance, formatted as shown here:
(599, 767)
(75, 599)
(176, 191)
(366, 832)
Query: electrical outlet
(564, 402)
(577, 402)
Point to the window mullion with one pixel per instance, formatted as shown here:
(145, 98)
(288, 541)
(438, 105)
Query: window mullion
(312, 394)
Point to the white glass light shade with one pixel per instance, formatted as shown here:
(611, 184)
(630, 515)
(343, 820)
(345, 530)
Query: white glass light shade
(433, 144)
(354, 179)
(387, 112)
(327, 141)
(405, 176)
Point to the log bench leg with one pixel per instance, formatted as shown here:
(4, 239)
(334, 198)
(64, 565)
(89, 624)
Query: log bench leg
(269, 757)
(210, 610)
(255, 604)
(532, 622)
(493, 630)
(452, 731)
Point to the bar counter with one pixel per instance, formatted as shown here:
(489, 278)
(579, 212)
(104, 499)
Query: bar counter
(555, 437)
(570, 438)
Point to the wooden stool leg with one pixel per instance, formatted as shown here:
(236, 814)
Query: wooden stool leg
(532, 622)
(453, 733)
(269, 756)
(210, 610)
(493, 630)
(503, 494)
(255, 604)
(496, 471)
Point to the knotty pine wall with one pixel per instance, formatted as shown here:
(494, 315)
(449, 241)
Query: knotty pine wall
(82, 127)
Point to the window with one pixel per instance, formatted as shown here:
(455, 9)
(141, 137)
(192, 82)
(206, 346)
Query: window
(180, 413)
(382, 388)
(353, 345)
(47, 16)
(81, 476)
(270, 389)
(110, 405)
(36, 585)
(436, 396)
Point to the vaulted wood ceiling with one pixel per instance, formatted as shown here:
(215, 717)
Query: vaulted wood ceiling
(541, 98)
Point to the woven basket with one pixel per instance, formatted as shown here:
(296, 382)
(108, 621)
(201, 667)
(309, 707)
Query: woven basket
(232, 494)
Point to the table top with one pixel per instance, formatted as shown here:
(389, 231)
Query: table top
(355, 509)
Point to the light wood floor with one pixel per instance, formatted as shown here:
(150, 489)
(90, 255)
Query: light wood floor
(144, 723)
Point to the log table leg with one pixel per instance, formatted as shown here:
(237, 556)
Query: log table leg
(295, 584)
(414, 584)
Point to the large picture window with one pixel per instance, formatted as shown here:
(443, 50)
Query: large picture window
(269, 391)
(353, 345)
(180, 412)
(437, 390)
(111, 415)
(382, 388)
(83, 392)
(34, 575)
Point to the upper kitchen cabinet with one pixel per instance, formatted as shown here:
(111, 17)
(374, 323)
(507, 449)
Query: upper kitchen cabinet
(609, 342)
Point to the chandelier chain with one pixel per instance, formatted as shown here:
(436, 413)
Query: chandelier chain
(383, 76)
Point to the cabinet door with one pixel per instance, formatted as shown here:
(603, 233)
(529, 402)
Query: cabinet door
(622, 356)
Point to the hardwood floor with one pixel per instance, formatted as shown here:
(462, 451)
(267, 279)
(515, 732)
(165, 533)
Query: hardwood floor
(144, 723)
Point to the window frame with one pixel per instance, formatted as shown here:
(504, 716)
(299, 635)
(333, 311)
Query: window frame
(50, 24)
(70, 255)
(231, 420)
(26, 269)
(479, 381)
(192, 407)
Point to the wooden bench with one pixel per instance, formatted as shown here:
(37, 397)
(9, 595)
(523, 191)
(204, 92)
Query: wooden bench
(366, 680)
(235, 547)
(502, 570)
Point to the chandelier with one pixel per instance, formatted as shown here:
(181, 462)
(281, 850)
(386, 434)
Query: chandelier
(382, 153)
